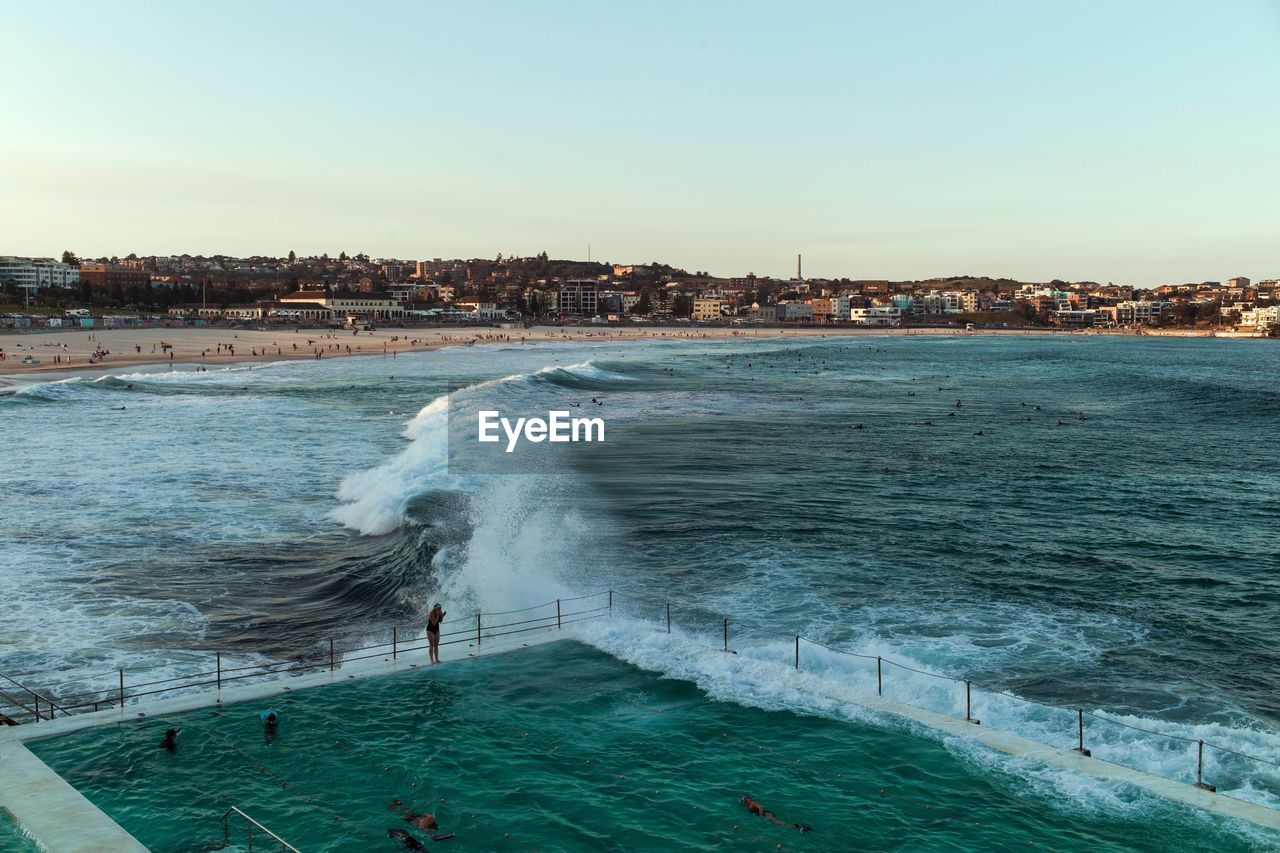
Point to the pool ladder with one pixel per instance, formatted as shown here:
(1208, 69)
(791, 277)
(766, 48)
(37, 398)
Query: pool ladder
(285, 846)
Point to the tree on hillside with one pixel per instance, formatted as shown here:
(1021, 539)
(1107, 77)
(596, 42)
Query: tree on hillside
(643, 305)
(69, 257)
(681, 306)
(292, 257)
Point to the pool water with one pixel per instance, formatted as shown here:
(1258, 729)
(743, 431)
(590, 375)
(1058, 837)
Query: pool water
(13, 839)
(562, 747)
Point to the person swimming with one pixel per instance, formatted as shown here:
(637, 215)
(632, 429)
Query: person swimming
(170, 741)
(406, 839)
(424, 820)
(270, 725)
(760, 811)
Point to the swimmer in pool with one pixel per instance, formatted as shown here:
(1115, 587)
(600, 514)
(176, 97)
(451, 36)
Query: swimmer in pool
(270, 726)
(170, 741)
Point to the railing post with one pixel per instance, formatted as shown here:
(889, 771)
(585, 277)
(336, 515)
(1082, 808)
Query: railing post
(1080, 734)
(122, 688)
(218, 657)
(968, 704)
(668, 617)
(394, 642)
(611, 599)
(558, 625)
(1200, 783)
(330, 666)
(879, 679)
(477, 630)
(726, 633)
(37, 707)
(797, 652)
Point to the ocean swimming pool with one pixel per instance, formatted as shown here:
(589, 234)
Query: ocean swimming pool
(563, 747)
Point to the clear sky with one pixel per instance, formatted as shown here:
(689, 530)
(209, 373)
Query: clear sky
(1122, 141)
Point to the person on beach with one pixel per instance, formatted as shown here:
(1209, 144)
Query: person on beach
(434, 618)
(760, 811)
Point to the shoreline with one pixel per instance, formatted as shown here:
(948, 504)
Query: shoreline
(71, 351)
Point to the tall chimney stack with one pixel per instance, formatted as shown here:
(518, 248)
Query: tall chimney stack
(799, 273)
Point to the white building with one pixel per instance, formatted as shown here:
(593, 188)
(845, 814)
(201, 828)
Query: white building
(364, 306)
(1134, 313)
(578, 296)
(35, 273)
(840, 306)
(879, 315)
(797, 311)
(1261, 318)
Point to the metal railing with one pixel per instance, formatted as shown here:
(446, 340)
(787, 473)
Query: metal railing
(475, 635)
(250, 823)
(37, 707)
(1076, 734)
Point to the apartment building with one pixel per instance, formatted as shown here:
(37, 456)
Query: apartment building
(708, 308)
(35, 273)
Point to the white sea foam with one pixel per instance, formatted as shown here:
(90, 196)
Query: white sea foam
(374, 501)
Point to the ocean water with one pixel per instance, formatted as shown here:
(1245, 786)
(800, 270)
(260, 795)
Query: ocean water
(1082, 522)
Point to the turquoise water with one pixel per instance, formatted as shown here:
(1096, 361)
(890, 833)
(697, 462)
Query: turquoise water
(560, 747)
(12, 839)
(1124, 562)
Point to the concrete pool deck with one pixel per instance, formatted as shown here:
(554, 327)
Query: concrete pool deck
(60, 818)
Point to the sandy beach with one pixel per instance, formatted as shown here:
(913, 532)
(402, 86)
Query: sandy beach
(76, 350)
(79, 350)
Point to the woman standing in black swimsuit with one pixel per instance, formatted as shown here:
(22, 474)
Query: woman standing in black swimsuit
(434, 618)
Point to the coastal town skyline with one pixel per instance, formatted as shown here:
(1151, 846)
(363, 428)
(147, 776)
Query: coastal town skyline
(800, 266)
(362, 289)
(890, 142)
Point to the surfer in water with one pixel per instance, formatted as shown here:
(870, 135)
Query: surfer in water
(760, 811)
(434, 618)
